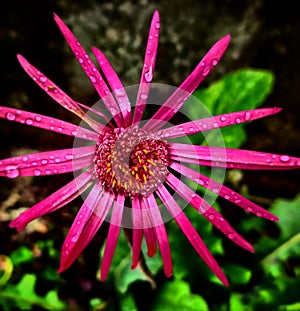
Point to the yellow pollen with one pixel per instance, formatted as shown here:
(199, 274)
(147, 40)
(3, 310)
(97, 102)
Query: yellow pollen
(145, 151)
(151, 173)
(145, 168)
(144, 177)
(150, 161)
(108, 170)
(136, 176)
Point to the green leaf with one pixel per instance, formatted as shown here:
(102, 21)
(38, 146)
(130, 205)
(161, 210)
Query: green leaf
(237, 274)
(242, 90)
(287, 211)
(177, 296)
(237, 304)
(127, 303)
(24, 297)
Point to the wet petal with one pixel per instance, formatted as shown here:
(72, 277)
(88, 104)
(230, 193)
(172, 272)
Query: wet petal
(188, 86)
(47, 163)
(137, 232)
(112, 237)
(223, 191)
(190, 232)
(207, 211)
(214, 122)
(86, 224)
(57, 94)
(148, 230)
(48, 123)
(55, 201)
(232, 158)
(116, 86)
(160, 233)
(148, 68)
(90, 69)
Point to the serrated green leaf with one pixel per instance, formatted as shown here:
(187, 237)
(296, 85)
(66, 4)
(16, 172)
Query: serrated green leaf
(177, 296)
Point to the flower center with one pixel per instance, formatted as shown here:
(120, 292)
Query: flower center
(130, 161)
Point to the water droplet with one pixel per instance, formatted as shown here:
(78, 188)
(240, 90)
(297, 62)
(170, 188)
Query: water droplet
(75, 237)
(43, 79)
(25, 158)
(48, 172)
(215, 190)
(214, 62)
(223, 118)
(247, 116)
(44, 161)
(191, 129)
(93, 79)
(106, 92)
(238, 120)
(77, 43)
(230, 236)
(38, 119)
(284, 158)
(57, 160)
(12, 171)
(258, 214)
(205, 71)
(29, 121)
(81, 60)
(211, 217)
(36, 172)
(237, 201)
(227, 197)
(148, 75)
(69, 156)
(144, 96)
(249, 209)
(157, 25)
(10, 116)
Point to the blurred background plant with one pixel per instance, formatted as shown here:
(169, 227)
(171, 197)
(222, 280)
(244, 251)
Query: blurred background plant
(260, 68)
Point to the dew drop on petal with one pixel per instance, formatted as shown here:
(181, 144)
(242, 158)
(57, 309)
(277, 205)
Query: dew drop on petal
(205, 71)
(148, 75)
(247, 116)
(44, 161)
(12, 171)
(43, 79)
(10, 116)
(81, 60)
(157, 25)
(38, 119)
(36, 172)
(223, 118)
(29, 121)
(227, 197)
(214, 62)
(284, 158)
(93, 79)
(25, 158)
(211, 217)
(48, 172)
(258, 214)
(144, 96)
(249, 209)
(230, 236)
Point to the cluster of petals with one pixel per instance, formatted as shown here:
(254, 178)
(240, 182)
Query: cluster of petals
(107, 196)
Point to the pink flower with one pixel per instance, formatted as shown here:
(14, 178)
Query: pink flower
(128, 165)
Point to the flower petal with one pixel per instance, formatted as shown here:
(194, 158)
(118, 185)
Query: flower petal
(148, 229)
(207, 211)
(188, 86)
(190, 232)
(47, 163)
(232, 158)
(214, 122)
(91, 71)
(223, 191)
(55, 201)
(112, 237)
(148, 68)
(87, 222)
(48, 123)
(137, 231)
(160, 233)
(57, 94)
(116, 86)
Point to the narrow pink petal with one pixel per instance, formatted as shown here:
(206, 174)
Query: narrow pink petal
(55, 201)
(113, 235)
(233, 158)
(190, 232)
(188, 86)
(223, 191)
(148, 68)
(57, 94)
(86, 224)
(90, 69)
(48, 123)
(214, 122)
(207, 211)
(160, 233)
(148, 230)
(116, 86)
(48, 163)
(137, 231)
